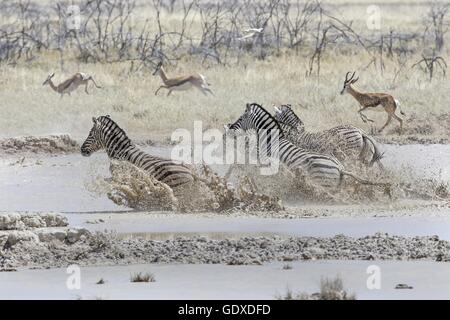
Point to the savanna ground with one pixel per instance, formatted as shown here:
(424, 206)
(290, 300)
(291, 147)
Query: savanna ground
(301, 58)
(254, 70)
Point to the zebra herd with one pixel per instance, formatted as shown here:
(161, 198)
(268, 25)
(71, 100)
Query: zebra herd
(318, 155)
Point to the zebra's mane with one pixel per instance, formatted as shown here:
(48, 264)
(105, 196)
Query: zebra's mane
(291, 112)
(106, 120)
(254, 106)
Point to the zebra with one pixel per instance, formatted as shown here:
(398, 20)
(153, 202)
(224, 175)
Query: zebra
(323, 169)
(106, 134)
(341, 141)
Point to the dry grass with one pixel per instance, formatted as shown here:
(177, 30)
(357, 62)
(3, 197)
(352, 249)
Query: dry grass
(28, 108)
(142, 277)
(287, 266)
(330, 289)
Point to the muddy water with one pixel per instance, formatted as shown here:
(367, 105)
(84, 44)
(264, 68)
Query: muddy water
(58, 183)
(428, 279)
(170, 226)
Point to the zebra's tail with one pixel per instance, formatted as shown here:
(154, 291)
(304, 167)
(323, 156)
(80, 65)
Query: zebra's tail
(363, 181)
(397, 104)
(377, 154)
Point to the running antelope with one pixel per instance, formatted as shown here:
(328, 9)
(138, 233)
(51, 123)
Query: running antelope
(70, 84)
(373, 101)
(181, 83)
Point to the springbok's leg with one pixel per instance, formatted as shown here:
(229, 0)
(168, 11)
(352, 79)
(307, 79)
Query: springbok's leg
(85, 88)
(399, 120)
(156, 92)
(387, 122)
(168, 93)
(208, 90)
(363, 116)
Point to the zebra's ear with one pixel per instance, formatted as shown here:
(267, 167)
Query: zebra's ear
(247, 108)
(108, 116)
(94, 120)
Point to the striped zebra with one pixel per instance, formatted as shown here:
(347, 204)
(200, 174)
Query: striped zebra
(323, 169)
(341, 141)
(106, 134)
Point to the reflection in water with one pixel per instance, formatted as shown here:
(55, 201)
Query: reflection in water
(161, 236)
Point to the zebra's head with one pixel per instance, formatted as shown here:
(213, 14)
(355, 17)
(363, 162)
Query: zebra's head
(93, 142)
(241, 125)
(285, 115)
(254, 118)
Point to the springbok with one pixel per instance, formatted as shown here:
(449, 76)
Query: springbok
(373, 101)
(70, 84)
(181, 83)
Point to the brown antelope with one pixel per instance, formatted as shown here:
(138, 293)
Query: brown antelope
(373, 101)
(70, 84)
(181, 83)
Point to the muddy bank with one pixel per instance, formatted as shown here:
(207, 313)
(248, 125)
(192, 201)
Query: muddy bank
(52, 144)
(414, 139)
(60, 246)
(24, 221)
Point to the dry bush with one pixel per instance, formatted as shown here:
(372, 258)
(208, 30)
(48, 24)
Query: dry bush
(330, 289)
(142, 277)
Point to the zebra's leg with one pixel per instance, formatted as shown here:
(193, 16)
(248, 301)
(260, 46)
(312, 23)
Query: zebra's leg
(86, 88)
(229, 172)
(387, 122)
(380, 165)
(168, 93)
(365, 150)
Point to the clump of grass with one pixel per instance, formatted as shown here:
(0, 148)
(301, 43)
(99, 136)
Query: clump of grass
(333, 289)
(143, 277)
(287, 266)
(330, 289)
(101, 281)
(442, 190)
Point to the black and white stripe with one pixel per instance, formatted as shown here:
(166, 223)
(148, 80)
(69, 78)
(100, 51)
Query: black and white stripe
(323, 169)
(342, 141)
(106, 134)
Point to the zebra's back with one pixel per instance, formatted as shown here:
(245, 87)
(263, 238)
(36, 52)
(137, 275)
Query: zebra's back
(340, 141)
(322, 169)
(171, 173)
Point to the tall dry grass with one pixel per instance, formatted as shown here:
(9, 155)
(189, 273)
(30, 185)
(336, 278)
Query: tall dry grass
(28, 108)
